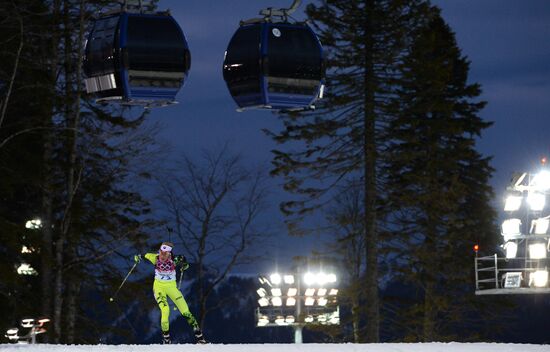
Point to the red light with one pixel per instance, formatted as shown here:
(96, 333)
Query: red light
(543, 160)
(476, 248)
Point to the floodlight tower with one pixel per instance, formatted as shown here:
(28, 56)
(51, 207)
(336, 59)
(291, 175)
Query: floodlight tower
(297, 300)
(34, 327)
(526, 240)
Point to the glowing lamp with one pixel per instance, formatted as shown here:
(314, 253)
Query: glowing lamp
(309, 319)
(263, 320)
(310, 301)
(290, 319)
(540, 226)
(291, 301)
(292, 292)
(322, 278)
(310, 292)
(27, 323)
(536, 201)
(512, 203)
(275, 279)
(33, 224)
(277, 301)
(539, 278)
(537, 251)
(280, 320)
(261, 292)
(263, 302)
(289, 279)
(276, 292)
(322, 301)
(511, 227)
(309, 278)
(541, 181)
(322, 292)
(12, 334)
(511, 249)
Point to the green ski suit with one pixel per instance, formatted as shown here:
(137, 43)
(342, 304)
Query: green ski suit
(165, 286)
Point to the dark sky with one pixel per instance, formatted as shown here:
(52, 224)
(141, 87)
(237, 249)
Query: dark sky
(507, 42)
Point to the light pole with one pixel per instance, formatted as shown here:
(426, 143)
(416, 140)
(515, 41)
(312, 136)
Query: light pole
(35, 326)
(526, 240)
(297, 300)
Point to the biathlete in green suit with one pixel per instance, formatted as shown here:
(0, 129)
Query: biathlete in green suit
(165, 286)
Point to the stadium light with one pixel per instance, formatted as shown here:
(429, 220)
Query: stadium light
(322, 279)
(290, 319)
(33, 224)
(526, 240)
(541, 181)
(511, 249)
(280, 320)
(513, 202)
(511, 227)
(36, 326)
(309, 278)
(540, 226)
(263, 320)
(289, 279)
(26, 269)
(12, 334)
(537, 250)
(536, 201)
(296, 300)
(539, 278)
(275, 279)
(277, 301)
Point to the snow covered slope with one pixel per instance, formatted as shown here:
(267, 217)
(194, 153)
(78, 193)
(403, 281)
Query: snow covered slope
(385, 347)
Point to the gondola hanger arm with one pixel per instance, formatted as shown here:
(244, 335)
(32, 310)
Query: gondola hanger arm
(141, 6)
(271, 12)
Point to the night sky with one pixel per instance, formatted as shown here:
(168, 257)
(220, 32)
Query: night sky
(507, 42)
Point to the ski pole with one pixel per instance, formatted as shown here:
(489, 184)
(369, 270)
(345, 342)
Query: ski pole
(123, 282)
(179, 283)
(181, 277)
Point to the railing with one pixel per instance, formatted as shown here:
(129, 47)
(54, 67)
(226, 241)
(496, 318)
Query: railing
(490, 275)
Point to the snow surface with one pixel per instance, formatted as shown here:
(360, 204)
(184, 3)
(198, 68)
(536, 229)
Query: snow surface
(382, 347)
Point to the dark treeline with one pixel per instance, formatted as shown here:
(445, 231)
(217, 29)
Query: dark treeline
(391, 154)
(389, 157)
(67, 162)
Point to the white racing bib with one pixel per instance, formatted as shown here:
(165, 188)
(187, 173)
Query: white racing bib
(165, 270)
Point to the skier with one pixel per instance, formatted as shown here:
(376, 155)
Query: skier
(165, 286)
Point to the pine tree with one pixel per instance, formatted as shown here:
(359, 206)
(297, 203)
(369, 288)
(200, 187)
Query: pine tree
(345, 137)
(22, 83)
(438, 183)
(68, 161)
